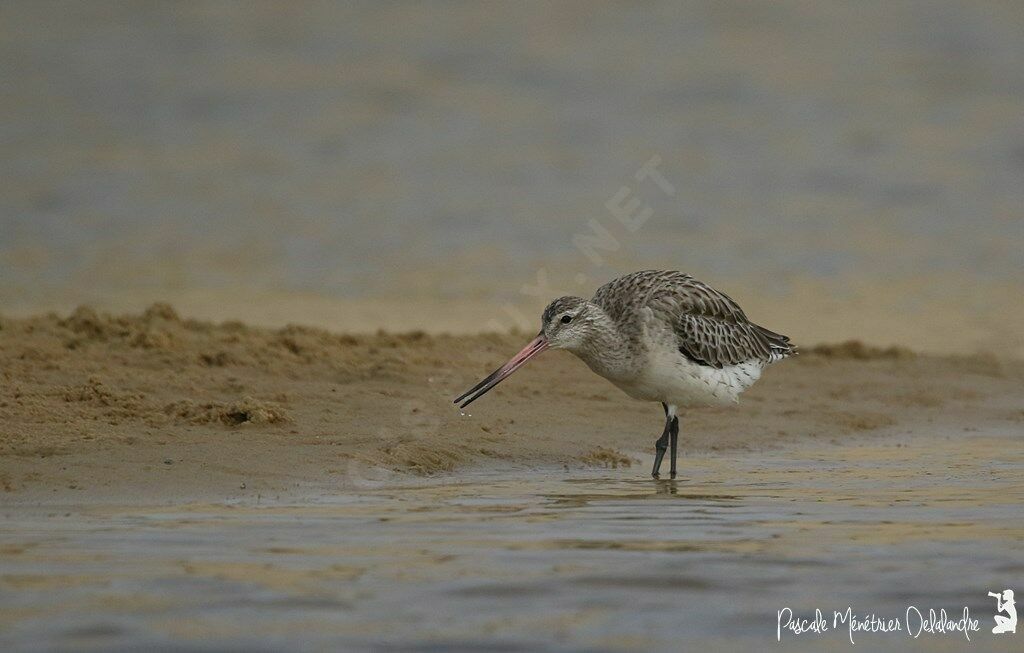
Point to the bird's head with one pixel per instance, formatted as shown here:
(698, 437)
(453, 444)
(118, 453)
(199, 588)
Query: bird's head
(567, 322)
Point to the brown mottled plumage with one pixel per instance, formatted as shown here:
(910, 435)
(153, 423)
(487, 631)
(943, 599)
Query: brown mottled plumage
(712, 329)
(659, 335)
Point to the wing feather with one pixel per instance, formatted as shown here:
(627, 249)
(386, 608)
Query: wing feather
(710, 327)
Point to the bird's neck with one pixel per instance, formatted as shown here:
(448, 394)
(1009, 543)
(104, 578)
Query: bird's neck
(607, 352)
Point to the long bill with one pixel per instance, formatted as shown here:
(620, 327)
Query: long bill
(536, 346)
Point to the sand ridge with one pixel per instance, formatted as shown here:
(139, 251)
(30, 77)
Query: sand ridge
(92, 404)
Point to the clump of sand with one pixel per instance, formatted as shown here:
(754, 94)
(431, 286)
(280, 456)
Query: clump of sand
(245, 411)
(97, 400)
(857, 350)
(607, 457)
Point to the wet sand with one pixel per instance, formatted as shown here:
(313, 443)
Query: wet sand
(96, 406)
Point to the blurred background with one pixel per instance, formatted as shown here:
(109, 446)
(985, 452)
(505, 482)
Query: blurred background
(844, 170)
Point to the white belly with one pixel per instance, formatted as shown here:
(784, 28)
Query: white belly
(673, 379)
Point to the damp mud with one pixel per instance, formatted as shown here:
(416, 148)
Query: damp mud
(545, 559)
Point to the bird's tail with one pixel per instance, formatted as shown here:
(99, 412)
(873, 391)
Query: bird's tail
(779, 344)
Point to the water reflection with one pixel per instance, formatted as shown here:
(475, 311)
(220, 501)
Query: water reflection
(601, 560)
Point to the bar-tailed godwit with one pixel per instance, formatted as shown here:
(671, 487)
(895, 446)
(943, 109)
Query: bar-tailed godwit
(659, 335)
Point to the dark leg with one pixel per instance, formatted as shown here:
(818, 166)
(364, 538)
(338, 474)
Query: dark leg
(674, 435)
(661, 445)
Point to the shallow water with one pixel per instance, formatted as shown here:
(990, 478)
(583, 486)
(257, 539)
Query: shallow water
(538, 560)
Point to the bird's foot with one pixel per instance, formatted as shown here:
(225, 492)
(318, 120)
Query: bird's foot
(659, 453)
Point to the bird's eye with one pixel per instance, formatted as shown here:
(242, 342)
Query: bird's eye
(566, 319)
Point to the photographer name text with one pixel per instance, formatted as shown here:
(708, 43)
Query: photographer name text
(914, 623)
